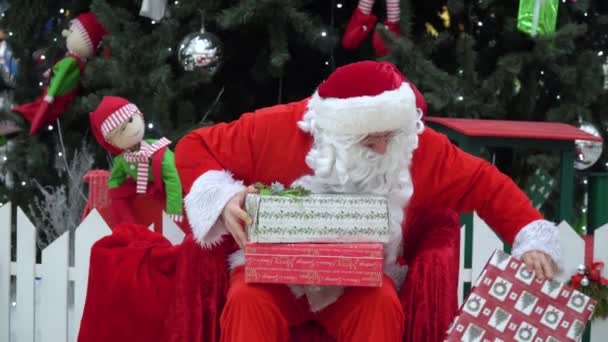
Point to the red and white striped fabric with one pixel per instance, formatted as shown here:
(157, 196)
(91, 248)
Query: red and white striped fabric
(118, 117)
(366, 6)
(176, 218)
(142, 158)
(392, 11)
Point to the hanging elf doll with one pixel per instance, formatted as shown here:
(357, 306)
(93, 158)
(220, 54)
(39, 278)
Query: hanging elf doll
(141, 166)
(82, 42)
(362, 22)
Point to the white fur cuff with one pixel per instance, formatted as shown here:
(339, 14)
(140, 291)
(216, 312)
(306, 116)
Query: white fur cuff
(206, 201)
(539, 235)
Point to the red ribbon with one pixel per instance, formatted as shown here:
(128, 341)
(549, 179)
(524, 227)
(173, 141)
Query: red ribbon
(595, 273)
(593, 269)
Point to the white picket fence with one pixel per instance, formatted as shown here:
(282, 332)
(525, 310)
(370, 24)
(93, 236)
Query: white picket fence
(45, 308)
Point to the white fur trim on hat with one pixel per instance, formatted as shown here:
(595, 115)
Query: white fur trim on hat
(390, 110)
(77, 25)
(118, 117)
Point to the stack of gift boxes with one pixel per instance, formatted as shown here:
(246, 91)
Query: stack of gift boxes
(316, 239)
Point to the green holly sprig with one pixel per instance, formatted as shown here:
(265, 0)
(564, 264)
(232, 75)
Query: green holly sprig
(277, 189)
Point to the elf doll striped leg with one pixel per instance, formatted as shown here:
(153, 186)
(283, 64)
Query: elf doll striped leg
(393, 13)
(360, 25)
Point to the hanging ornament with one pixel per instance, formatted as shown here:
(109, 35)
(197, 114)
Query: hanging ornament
(581, 269)
(585, 282)
(516, 86)
(201, 52)
(445, 17)
(153, 9)
(8, 64)
(537, 16)
(430, 29)
(587, 152)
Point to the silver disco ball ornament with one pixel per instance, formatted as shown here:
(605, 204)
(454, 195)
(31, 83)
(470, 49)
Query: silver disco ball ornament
(201, 52)
(587, 152)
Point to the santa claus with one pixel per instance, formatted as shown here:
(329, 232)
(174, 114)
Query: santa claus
(362, 131)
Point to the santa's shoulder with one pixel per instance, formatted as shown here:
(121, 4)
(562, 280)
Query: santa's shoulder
(287, 111)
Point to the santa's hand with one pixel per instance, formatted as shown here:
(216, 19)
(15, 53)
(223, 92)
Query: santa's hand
(234, 214)
(540, 263)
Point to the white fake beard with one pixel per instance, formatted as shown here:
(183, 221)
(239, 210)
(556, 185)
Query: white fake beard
(341, 164)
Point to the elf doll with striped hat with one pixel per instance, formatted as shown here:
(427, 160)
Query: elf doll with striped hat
(83, 40)
(141, 166)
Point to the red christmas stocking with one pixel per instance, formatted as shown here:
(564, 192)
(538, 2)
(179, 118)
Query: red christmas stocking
(392, 23)
(360, 25)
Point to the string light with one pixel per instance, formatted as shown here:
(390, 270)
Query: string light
(43, 57)
(585, 181)
(170, 49)
(339, 5)
(60, 154)
(460, 98)
(153, 22)
(601, 53)
(586, 14)
(5, 158)
(558, 97)
(10, 33)
(62, 11)
(542, 72)
(323, 34)
(326, 62)
(584, 210)
(460, 72)
(176, 2)
(50, 128)
(479, 23)
(55, 39)
(150, 125)
(23, 183)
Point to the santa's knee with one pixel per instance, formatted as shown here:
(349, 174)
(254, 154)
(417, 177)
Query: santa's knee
(382, 302)
(246, 302)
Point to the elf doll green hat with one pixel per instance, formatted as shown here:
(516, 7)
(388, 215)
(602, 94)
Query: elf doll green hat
(112, 112)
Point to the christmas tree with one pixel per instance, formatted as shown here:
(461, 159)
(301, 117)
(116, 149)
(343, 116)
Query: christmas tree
(479, 59)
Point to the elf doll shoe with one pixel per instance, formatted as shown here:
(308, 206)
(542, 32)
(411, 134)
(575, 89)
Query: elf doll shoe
(359, 26)
(379, 45)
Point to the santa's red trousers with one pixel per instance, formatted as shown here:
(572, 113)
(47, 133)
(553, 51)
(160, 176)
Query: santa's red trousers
(265, 312)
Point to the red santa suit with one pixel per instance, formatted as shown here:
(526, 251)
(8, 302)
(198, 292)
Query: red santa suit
(278, 144)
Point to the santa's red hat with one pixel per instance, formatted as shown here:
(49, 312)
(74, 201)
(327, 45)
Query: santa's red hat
(366, 97)
(112, 112)
(90, 28)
